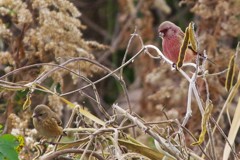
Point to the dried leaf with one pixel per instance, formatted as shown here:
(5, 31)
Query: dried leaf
(27, 102)
(230, 73)
(233, 131)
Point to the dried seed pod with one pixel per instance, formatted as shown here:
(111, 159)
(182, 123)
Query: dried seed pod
(192, 37)
(230, 73)
(205, 120)
(183, 49)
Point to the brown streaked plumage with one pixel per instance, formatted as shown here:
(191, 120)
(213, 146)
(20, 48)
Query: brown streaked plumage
(46, 122)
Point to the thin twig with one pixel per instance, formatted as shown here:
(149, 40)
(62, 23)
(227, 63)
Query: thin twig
(87, 147)
(209, 129)
(229, 99)
(95, 27)
(170, 148)
(66, 151)
(195, 139)
(225, 137)
(32, 83)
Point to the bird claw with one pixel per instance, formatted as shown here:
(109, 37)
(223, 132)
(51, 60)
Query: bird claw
(174, 66)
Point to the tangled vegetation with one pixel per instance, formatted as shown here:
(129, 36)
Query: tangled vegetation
(99, 66)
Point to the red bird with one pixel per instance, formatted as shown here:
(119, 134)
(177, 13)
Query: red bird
(172, 38)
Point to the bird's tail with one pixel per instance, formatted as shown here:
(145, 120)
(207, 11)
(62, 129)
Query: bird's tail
(206, 58)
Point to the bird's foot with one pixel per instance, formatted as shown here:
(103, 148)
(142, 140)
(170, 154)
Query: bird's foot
(174, 66)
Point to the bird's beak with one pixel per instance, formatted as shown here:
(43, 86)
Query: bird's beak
(161, 34)
(34, 115)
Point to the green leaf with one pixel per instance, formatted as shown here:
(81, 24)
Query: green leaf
(1, 156)
(1, 129)
(8, 143)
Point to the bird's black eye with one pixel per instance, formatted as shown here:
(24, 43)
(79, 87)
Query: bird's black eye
(164, 30)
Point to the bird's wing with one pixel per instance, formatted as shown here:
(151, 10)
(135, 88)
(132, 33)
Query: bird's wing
(57, 119)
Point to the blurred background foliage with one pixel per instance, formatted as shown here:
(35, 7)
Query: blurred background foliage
(53, 31)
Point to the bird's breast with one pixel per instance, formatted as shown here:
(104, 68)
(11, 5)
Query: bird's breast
(171, 48)
(47, 127)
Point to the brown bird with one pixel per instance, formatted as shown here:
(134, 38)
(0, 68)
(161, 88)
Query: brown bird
(46, 122)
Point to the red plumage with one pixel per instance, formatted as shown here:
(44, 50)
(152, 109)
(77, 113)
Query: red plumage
(172, 38)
